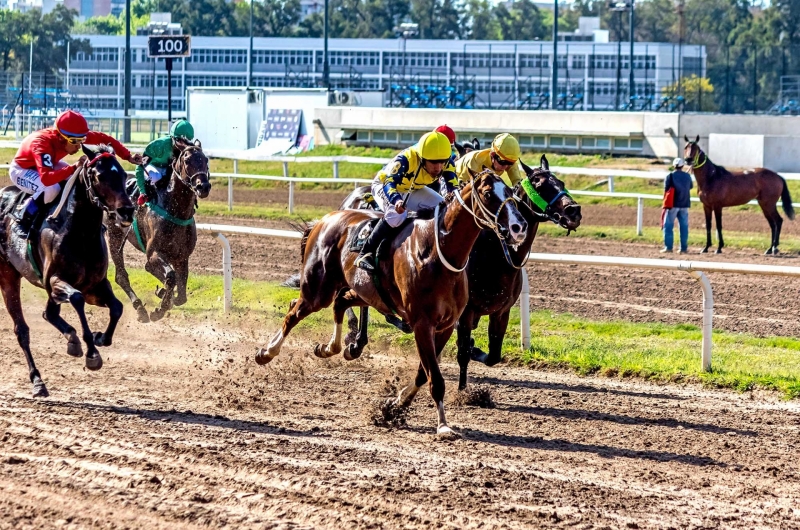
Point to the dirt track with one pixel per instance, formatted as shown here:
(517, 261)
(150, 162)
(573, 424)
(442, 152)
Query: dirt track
(182, 430)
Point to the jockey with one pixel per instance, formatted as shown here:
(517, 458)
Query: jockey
(408, 173)
(501, 158)
(159, 151)
(451, 135)
(38, 168)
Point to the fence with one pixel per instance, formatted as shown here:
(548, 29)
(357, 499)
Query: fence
(696, 269)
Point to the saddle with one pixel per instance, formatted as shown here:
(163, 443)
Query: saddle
(360, 233)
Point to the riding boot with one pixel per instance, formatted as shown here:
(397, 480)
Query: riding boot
(23, 226)
(366, 258)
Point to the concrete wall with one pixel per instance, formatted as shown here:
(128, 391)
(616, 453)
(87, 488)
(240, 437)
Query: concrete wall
(779, 153)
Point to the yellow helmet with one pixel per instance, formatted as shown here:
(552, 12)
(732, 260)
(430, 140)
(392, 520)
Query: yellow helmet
(506, 147)
(434, 146)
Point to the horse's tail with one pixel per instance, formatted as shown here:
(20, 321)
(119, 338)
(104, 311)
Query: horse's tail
(786, 201)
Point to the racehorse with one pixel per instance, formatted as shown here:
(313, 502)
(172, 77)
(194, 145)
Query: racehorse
(494, 270)
(165, 230)
(68, 257)
(423, 278)
(717, 188)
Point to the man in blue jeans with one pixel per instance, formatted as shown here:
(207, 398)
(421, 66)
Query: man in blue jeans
(681, 182)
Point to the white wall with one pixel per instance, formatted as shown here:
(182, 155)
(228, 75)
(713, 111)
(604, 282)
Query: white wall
(219, 117)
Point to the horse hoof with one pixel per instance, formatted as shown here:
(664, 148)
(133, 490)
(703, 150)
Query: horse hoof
(352, 352)
(39, 390)
(94, 362)
(160, 292)
(478, 355)
(142, 316)
(446, 433)
(490, 361)
(262, 356)
(179, 301)
(74, 349)
(350, 338)
(156, 315)
(704, 251)
(321, 352)
(100, 339)
(718, 251)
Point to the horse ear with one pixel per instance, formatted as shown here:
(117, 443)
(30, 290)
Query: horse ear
(697, 139)
(476, 144)
(686, 138)
(544, 164)
(197, 143)
(88, 152)
(525, 167)
(472, 174)
(460, 149)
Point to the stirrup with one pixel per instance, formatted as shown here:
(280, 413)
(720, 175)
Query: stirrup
(22, 231)
(364, 262)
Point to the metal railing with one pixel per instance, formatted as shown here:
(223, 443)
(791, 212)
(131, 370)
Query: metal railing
(696, 269)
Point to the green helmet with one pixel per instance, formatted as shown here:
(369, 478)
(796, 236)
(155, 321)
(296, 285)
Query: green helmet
(182, 128)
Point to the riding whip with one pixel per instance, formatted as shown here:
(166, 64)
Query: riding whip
(65, 195)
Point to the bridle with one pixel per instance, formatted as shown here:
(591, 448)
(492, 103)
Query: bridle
(696, 162)
(89, 182)
(484, 218)
(180, 164)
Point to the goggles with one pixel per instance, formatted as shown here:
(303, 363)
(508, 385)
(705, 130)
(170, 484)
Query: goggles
(72, 140)
(501, 161)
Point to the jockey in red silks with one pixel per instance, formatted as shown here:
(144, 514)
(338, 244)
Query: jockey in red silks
(38, 169)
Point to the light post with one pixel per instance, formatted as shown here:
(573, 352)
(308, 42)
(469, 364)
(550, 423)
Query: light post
(326, 68)
(404, 31)
(249, 50)
(554, 80)
(619, 6)
(126, 125)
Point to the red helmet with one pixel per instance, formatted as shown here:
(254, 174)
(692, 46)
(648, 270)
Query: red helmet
(447, 131)
(72, 124)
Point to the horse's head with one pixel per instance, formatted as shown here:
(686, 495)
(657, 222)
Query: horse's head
(467, 147)
(190, 166)
(105, 183)
(494, 207)
(551, 196)
(694, 156)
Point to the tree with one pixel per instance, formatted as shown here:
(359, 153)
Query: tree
(656, 21)
(523, 21)
(698, 93)
(107, 25)
(437, 19)
(12, 28)
(481, 21)
(271, 18)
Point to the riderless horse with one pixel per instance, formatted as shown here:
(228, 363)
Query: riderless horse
(67, 257)
(422, 279)
(718, 188)
(164, 230)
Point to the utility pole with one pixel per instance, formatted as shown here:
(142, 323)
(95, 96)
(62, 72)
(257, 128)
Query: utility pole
(554, 81)
(126, 127)
(619, 6)
(250, 51)
(326, 69)
(631, 81)
(681, 33)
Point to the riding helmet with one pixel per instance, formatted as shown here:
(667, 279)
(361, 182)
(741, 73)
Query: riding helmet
(182, 128)
(506, 147)
(447, 131)
(71, 123)
(434, 146)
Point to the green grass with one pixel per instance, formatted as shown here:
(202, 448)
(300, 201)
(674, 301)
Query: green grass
(651, 351)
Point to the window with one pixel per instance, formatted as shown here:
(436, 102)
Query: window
(603, 143)
(362, 136)
(539, 141)
(628, 144)
(620, 143)
(570, 142)
(407, 138)
(636, 143)
(556, 141)
(378, 136)
(525, 140)
(99, 55)
(588, 143)
(595, 143)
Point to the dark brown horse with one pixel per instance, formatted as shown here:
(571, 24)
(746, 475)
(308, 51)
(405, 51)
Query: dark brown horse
(68, 258)
(423, 276)
(718, 188)
(165, 230)
(495, 270)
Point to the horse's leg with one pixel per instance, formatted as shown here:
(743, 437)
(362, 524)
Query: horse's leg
(10, 285)
(181, 277)
(408, 392)
(771, 223)
(62, 292)
(161, 269)
(52, 314)
(353, 350)
(115, 245)
(103, 296)
(298, 310)
(775, 222)
(346, 299)
(718, 218)
(707, 211)
(498, 323)
(435, 377)
(778, 224)
(464, 342)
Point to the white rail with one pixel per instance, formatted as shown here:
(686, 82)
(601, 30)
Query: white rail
(696, 269)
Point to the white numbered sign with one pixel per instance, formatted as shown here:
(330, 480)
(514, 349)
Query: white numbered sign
(163, 46)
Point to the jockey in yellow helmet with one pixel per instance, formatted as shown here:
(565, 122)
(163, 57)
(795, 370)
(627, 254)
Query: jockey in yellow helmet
(403, 185)
(501, 157)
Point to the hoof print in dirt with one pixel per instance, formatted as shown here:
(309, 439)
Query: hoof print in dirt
(474, 396)
(384, 413)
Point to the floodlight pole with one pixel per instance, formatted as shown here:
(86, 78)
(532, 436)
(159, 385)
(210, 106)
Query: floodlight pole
(631, 82)
(554, 81)
(326, 69)
(250, 51)
(126, 126)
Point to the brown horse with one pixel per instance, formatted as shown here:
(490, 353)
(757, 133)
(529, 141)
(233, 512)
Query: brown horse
(423, 276)
(495, 270)
(717, 188)
(165, 231)
(68, 258)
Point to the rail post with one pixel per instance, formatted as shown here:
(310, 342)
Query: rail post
(611, 184)
(291, 197)
(708, 318)
(336, 169)
(230, 185)
(639, 215)
(286, 170)
(227, 272)
(525, 312)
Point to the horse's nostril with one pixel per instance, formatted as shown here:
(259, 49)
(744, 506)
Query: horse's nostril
(517, 228)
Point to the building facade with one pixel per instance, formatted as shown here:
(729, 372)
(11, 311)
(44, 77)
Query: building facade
(413, 73)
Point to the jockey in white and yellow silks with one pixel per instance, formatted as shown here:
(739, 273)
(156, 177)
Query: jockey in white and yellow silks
(501, 158)
(403, 185)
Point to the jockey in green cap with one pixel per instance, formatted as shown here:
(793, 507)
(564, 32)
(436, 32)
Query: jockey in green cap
(159, 153)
